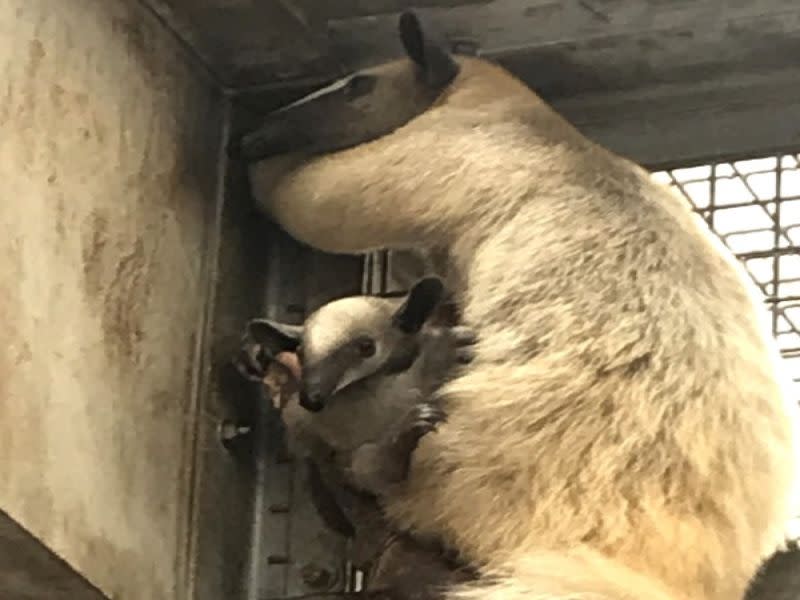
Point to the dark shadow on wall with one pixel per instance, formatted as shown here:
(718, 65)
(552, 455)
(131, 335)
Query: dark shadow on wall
(30, 571)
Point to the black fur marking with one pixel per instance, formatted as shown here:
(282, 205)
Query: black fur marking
(430, 52)
(402, 358)
(360, 85)
(412, 37)
(420, 304)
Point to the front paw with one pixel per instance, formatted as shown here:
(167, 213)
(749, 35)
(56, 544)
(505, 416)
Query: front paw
(421, 420)
(392, 458)
(376, 467)
(253, 359)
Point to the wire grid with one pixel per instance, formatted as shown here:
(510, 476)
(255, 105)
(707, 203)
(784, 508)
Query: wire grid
(753, 205)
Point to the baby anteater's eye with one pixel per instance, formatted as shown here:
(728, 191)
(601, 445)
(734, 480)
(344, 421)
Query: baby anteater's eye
(366, 347)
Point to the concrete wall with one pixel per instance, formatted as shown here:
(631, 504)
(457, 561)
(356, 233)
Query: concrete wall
(109, 143)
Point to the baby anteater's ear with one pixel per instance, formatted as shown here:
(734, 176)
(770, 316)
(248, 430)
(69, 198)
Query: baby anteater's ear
(420, 304)
(274, 336)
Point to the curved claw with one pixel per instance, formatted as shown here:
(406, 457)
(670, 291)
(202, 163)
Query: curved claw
(464, 336)
(426, 418)
(465, 356)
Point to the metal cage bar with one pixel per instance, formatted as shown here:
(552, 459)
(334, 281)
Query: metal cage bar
(753, 205)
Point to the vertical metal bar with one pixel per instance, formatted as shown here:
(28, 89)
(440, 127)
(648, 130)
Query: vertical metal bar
(366, 281)
(712, 196)
(384, 274)
(269, 569)
(776, 267)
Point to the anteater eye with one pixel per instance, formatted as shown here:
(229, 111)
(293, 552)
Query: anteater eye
(360, 85)
(366, 348)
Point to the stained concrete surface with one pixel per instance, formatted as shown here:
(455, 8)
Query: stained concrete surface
(109, 142)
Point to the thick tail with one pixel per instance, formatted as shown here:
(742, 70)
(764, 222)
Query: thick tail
(578, 575)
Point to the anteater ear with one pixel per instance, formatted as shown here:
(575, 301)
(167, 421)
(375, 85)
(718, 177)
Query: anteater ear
(422, 300)
(437, 65)
(275, 337)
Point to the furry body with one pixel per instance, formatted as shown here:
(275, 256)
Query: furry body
(624, 430)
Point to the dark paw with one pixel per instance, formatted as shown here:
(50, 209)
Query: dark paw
(420, 421)
(252, 361)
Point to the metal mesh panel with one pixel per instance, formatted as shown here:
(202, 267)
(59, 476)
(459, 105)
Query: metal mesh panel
(754, 206)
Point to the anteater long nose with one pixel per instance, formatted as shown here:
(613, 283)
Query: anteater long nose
(313, 401)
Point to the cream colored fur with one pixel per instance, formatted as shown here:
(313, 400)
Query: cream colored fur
(624, 431)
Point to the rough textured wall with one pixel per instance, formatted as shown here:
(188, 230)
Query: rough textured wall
(108, 166)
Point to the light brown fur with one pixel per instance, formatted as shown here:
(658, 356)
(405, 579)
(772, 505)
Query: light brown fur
(623, 431)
